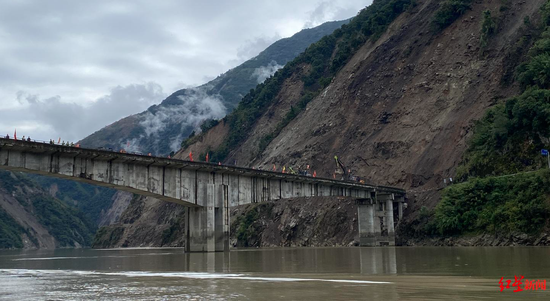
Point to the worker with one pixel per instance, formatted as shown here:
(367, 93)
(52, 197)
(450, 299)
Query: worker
(8, 136)
(23, 138)
(29, 139)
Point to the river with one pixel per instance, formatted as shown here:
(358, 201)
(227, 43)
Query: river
(408, 273)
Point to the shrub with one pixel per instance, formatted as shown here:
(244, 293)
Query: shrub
(501, 205)
(488, 28)
(448, 12)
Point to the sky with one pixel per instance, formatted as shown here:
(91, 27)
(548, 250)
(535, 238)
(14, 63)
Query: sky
(69, 67)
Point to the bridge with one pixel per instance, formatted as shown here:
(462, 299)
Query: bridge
(208, 190)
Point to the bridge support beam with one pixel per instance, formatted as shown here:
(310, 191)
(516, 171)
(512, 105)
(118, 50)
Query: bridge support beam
(376, 218)
(208, 226)
(365, 214)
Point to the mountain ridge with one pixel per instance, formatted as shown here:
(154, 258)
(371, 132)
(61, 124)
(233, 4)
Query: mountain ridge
(161, 128)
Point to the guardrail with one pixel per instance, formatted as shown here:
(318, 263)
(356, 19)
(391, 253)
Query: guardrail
(215, 165)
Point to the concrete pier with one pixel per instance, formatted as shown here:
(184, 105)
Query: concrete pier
(376, 217)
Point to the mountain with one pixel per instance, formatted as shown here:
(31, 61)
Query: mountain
(43, 212)
(413, 94)
(32, 218)
(161, 128)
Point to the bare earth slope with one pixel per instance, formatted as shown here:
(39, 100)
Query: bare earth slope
(400, 112)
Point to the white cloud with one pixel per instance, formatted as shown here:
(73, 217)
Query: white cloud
(191, 111)
(264, 72)
(45, 118)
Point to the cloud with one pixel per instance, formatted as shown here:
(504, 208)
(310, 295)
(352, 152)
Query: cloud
(46, 118)
(189, 112)
(252, 48)
(264, 72)
(331, 10)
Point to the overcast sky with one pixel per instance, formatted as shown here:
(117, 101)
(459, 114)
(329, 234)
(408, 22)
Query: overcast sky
(68, 68)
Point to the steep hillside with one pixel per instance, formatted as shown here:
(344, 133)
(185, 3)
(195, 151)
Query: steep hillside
(31, 218)
(146, 222)
(399, 108)
(395, 95)
(89, 199)
(314, 222)
(162, 127)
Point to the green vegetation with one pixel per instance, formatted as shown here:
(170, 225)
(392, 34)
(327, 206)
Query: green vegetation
(246, 226)
(177, 229)
(90, 199)
(108, 236)
(499, 205)
(10, 232)
(208, 124)
(488, 29)
(65, 223)
(325, 58)
(510, 135)
(448, 12)
(507, 140)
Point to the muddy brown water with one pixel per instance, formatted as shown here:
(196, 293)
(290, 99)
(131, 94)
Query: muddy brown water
(411, 273)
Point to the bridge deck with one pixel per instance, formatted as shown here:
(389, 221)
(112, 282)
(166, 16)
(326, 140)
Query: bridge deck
(111, 156)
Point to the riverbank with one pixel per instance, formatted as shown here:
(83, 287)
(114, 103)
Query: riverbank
(481, 240)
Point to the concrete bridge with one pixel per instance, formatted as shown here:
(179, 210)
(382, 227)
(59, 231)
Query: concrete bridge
(208, 190)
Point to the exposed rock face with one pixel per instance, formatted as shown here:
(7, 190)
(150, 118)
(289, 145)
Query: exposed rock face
(315, 221)
(146, 222)
(121, 200)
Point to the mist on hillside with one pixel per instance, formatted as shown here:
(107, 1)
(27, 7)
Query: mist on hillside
(264, 72)
(185, 115)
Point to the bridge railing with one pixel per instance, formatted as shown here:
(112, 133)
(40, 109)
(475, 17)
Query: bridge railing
(209, 164)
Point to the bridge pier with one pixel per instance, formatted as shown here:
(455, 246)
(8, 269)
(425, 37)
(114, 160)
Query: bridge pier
(208, 226)
(377, 219)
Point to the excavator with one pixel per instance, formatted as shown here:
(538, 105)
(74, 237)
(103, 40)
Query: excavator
(341, 170)
(345, 173)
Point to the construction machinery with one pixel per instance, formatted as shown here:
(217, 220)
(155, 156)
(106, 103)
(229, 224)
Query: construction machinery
(341, 171)
(344, 173)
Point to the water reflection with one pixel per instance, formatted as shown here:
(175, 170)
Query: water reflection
(378, 261)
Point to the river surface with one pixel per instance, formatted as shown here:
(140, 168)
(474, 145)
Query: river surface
(411, 273)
